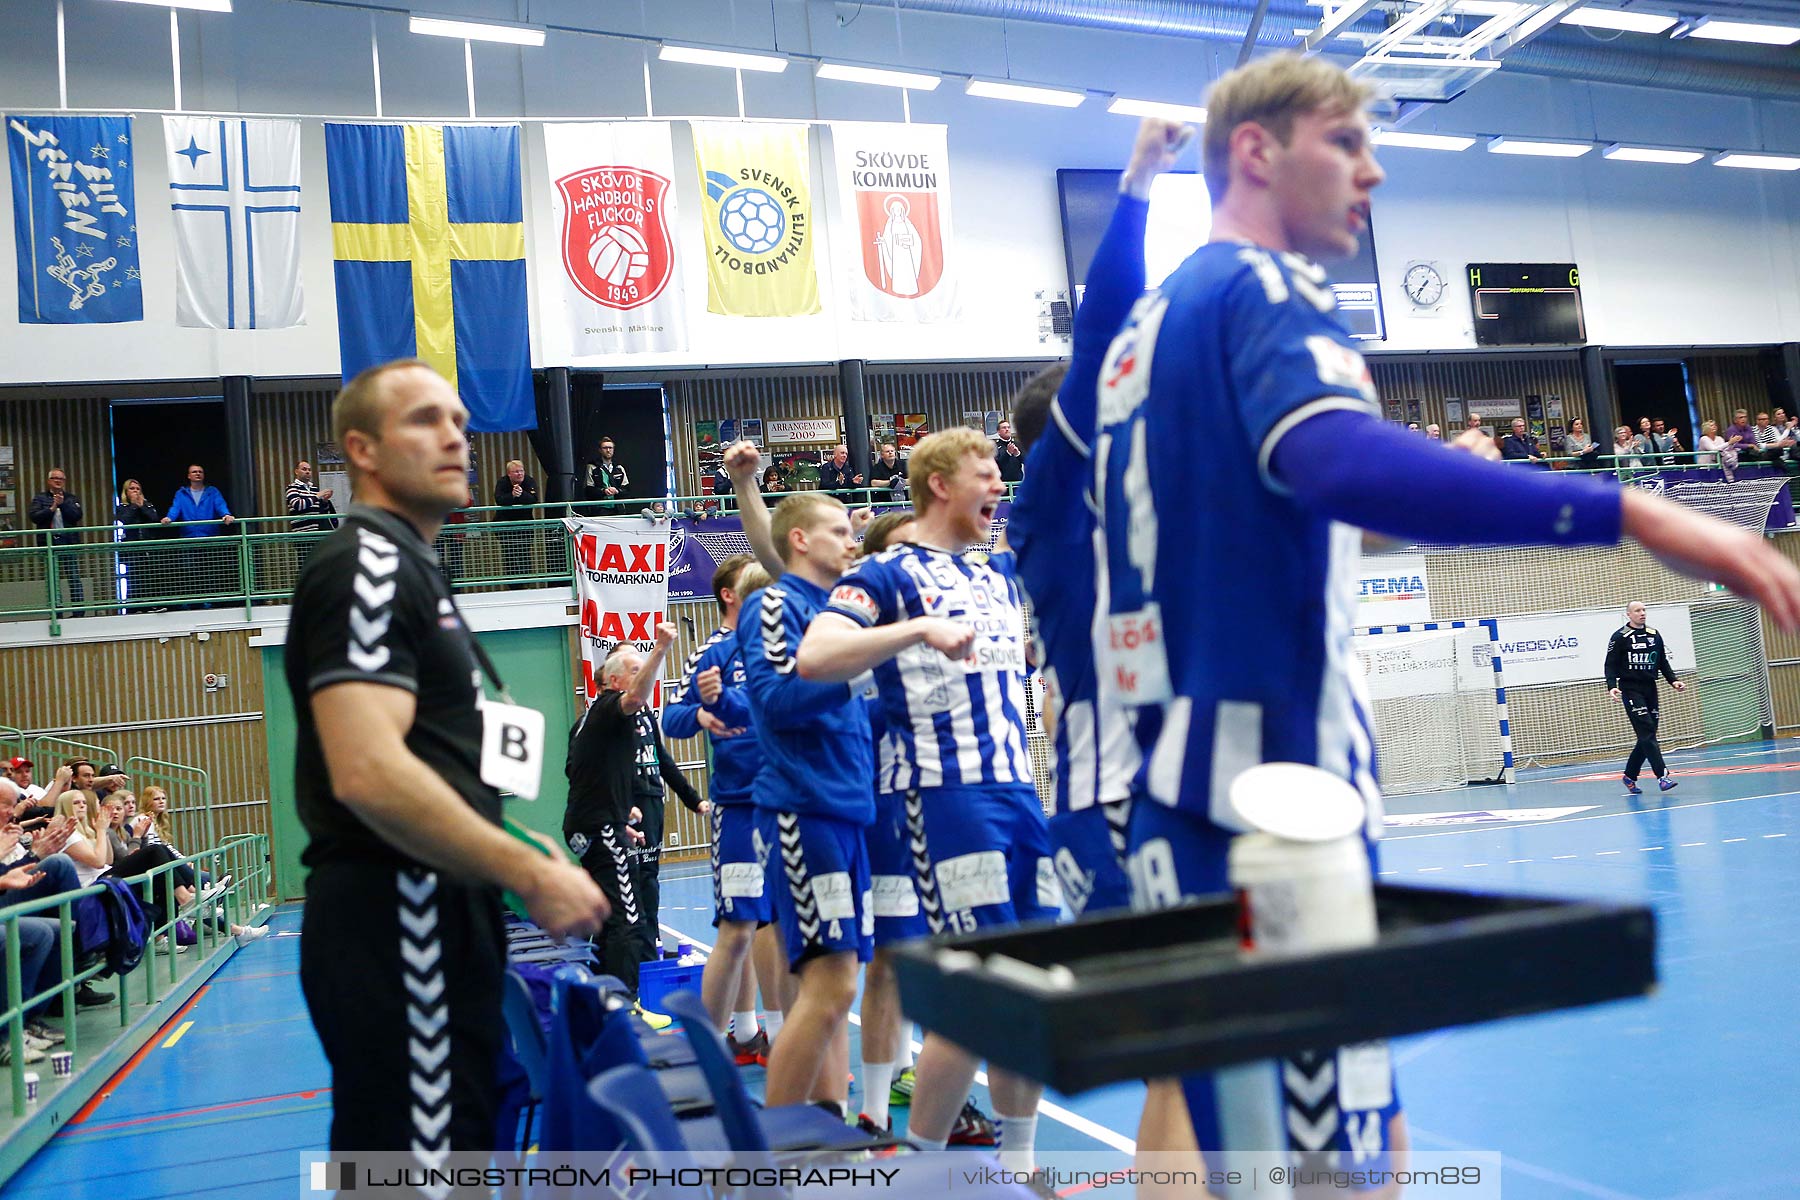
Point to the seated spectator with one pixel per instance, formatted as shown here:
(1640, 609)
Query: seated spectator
(1716, 451)
(1519, 445)
(88, 846)
(1772, 445)
(840, 478)
(772, 484)
(1010, 458)
(1433, 432)
(1741, 435)
(19, 769)
(311, 508)
(1579, 446)
(889, 470)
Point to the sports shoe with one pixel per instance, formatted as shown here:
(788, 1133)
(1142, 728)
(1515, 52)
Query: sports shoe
(972, 1128)
(213, 889)
(1665, 783)
(1631, 787)
(89, 996)
(32, 1053)
(754, 1052)
(866, 1124)
(44, 1033)
(901, 1089)
(251, 933)
(654, 1020)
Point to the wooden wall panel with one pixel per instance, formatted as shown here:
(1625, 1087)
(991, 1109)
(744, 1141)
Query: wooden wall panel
(1724, 383)
(1474, 378)
(45, 431)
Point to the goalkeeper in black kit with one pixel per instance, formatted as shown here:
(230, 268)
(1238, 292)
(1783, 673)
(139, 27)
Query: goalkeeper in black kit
(1634, 656)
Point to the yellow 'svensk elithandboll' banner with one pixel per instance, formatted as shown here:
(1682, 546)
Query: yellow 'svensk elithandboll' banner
(756, 208)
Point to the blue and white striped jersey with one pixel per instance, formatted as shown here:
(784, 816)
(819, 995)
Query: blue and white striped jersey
(1230, 605)
(948, 723)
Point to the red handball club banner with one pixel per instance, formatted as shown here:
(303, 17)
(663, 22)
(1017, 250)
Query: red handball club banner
(622, 578)
(614, 202)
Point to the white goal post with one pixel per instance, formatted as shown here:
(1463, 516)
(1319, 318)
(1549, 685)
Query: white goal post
(1439, 704)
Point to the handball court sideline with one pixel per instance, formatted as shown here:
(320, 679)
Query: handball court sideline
(1686, 1094)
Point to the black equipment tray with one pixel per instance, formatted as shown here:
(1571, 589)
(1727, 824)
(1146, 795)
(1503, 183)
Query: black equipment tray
(1155, 994)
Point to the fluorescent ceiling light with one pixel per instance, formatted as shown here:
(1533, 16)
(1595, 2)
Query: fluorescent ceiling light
(1024, 94)
(200, 5)
(723, 58)
(1651, 154)
(1612, 18)
(879, 75)
(1758, 162)
(1744, 31)
(1539, 149)
(1156, 108)
(1421, 141)
(478, 31)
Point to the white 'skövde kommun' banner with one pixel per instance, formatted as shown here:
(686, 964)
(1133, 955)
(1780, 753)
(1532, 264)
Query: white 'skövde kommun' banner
(893, 191)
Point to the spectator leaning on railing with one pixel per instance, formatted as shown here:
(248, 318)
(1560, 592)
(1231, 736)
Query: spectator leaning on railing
(1010, 457)
(1625, 449)
(199, 501)
(1741, 435)
(310, 507)
(1578, 445)
(1519, 445)
(516, 494)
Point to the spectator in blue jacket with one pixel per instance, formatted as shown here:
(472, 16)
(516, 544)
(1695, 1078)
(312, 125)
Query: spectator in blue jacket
(199, 501)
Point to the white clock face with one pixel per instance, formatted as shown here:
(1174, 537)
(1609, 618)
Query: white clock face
(1424, 286)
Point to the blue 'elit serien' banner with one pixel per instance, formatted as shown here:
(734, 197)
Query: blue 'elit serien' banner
(75, 219)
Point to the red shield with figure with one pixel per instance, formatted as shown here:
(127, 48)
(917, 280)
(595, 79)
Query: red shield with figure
(616, 245)
(902, 244)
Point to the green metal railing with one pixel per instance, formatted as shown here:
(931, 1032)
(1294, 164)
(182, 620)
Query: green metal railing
(259, 561)
(245, 857)
(49, 748)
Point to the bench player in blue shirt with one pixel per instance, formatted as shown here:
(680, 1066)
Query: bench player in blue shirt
(713, 698)
(944, 631)
(1230, 596)
(1052, 532)
(815, 792)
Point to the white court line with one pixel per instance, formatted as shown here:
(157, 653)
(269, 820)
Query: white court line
(1642, 812)
(1055, 1112)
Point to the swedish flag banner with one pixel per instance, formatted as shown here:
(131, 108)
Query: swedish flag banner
(756, 208)
(428, 233)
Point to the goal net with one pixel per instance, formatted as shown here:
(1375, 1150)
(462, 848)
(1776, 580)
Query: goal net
(1439, 708)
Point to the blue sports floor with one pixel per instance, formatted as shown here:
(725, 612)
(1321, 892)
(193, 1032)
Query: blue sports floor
(1687, 1094)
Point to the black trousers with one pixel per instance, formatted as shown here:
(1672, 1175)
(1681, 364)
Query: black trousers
(1641, 709)
(629, 936)
(402, 969)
